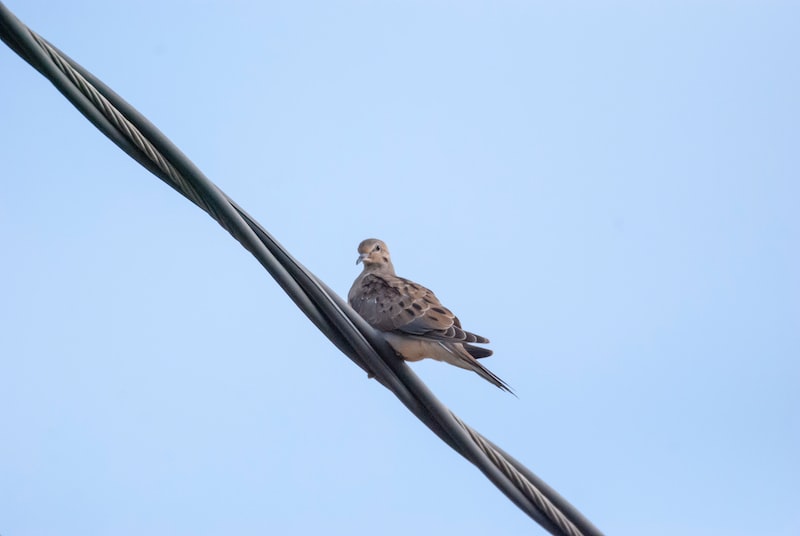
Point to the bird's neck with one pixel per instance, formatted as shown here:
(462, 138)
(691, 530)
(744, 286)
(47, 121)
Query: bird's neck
(379, 269)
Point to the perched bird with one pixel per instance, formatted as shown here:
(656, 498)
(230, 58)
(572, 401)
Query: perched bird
(413, 320)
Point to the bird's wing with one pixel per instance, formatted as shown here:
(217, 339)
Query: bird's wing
(391, 303)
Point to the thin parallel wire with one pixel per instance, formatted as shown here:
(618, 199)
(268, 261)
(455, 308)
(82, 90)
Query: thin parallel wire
(348, 331)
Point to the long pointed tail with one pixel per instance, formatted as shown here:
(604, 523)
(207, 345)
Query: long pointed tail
(491, 377)
(464, 359)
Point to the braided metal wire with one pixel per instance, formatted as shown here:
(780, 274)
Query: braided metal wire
(541, 501)
(121, 123)
(327, 310)
(112, 114)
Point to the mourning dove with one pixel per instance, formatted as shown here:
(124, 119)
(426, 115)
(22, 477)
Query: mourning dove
(411, 317)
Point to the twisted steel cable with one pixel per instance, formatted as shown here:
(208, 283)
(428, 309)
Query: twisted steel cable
(344, 327)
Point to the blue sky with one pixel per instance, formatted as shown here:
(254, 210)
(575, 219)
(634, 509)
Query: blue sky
(608, 191)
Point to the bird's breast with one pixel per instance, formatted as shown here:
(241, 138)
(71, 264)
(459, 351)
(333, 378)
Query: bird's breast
(412, 349)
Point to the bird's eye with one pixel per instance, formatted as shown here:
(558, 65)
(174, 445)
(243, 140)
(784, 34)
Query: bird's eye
(377, 247)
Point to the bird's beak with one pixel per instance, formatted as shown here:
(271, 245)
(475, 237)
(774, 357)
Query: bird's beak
(361, 258)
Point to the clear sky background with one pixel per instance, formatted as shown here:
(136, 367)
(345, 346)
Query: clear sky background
(609, 191)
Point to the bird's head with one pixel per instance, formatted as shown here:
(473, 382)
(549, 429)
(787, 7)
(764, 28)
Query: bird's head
(374, 254)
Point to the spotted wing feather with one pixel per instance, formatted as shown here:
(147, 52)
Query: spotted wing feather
(397, 304)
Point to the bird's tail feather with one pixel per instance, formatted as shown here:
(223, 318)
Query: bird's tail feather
(465, 359)
(476, 351)
(491, 377)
